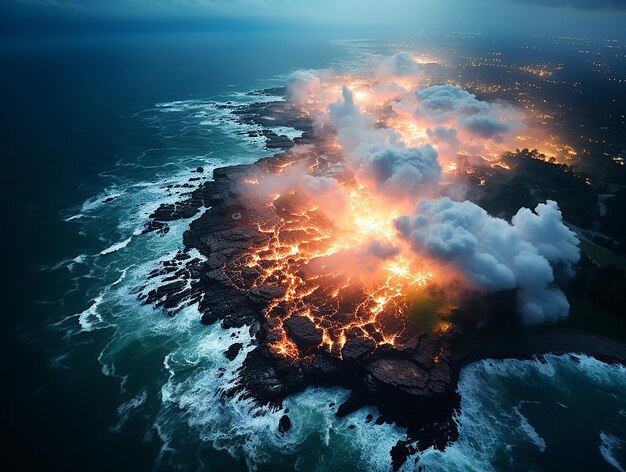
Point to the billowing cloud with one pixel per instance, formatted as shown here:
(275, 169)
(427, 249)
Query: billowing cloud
(494, 255)
(442, 101)
(485, 126)
(456, 122)
(400, 139)
(545, 230)
(450, 104)
(395, 74)
(400, 65)
(354, 128)
(379, 158)
(400, 172)
(302, 85)
(326, 192)
(441, 134)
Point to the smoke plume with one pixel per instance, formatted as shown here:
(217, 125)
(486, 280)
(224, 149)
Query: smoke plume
(493, 254)
(401, 141)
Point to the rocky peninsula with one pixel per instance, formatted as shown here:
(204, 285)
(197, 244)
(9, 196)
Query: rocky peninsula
(412, 382)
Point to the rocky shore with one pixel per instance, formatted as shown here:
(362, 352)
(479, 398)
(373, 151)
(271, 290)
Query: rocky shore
(412, 382)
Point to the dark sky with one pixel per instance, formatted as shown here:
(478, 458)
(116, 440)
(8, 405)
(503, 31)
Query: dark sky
(603, 18)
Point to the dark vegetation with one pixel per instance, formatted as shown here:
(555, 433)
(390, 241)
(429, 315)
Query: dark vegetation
(607, 288)
(598, 291)
(613, 223)
(533, 178)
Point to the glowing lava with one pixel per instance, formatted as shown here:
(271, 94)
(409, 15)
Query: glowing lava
(345, 268)
(306, 264)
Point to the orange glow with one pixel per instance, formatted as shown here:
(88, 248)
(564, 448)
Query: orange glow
(308, 260)
(349, 273)
(426, 59)
(361, 96)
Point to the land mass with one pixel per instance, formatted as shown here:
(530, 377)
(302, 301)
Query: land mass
(412, 382)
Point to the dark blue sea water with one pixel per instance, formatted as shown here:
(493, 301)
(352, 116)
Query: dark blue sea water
(95, 381)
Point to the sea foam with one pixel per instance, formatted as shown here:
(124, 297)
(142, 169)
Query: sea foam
(608, 448)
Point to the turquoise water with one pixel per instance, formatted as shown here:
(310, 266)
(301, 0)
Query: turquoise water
(99, 380)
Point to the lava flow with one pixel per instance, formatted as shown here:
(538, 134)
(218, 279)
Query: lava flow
(370, 214)
(298, 264)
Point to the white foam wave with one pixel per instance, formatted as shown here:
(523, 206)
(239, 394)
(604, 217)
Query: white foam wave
(529, 430)
(115, 247)
(74, 217)
(317, 440)
(68, 264)
(125, 410)
(291, 133)
(491, 417)
(608, 447)
(90, 318)
(59, 361)
(219, 114)
(248, 97)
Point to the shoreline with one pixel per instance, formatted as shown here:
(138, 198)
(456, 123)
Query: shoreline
(414, 384)
(540, 341)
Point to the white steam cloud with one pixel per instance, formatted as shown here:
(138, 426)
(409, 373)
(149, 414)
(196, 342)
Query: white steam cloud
(378, 157)
(397, 136)
(495, 255)
(400, 172)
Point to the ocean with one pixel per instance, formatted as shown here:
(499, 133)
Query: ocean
(98, 130)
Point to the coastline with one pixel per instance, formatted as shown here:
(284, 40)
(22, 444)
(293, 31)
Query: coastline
(413, 385)
(533, 344)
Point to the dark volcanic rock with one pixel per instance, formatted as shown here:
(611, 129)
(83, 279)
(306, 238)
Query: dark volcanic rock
(439, 378)
(399, 454)
(261, 376)
(233, 351)
(425, 352)
(401, 374)
(303, 332)
(352, 404)
(171, 212)
(284, 424)
(319, 365)
(156, 226)
(357, 348)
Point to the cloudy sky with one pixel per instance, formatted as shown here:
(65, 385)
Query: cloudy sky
(587, 17)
